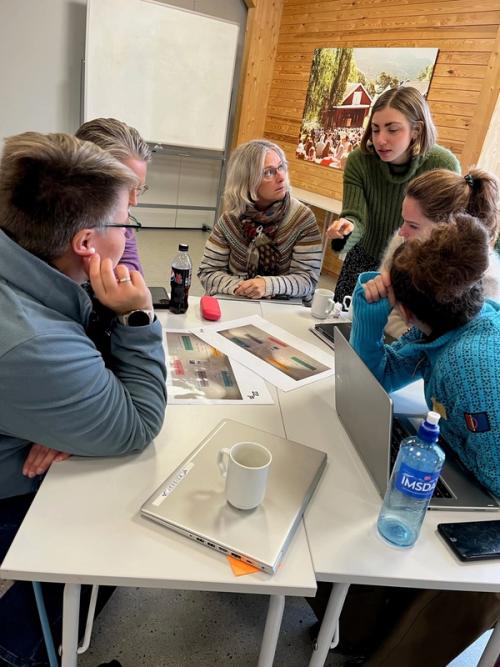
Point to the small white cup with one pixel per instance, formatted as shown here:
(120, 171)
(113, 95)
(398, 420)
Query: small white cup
(322, 303)
(245, 467)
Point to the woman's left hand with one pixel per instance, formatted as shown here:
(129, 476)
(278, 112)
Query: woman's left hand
(254, 288)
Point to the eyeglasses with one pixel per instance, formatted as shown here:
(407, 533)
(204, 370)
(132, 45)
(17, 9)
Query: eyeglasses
(141, 190)
(270, 172)
(133, 223)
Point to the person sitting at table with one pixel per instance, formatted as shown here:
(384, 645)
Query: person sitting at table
(434, 196)
(126, 145)
(453, 345)
(266, 243)
(63, 218)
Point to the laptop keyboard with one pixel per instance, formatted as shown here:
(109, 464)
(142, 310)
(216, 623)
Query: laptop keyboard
(398, 433)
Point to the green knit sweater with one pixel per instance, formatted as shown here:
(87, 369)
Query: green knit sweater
(374, 191)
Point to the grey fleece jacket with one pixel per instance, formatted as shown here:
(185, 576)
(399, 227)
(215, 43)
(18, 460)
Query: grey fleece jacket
(54, 386)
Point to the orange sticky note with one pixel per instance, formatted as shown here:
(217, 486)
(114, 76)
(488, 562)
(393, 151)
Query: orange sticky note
(240, 568)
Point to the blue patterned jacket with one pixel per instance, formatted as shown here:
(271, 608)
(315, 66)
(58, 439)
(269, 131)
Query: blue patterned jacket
(461, 373)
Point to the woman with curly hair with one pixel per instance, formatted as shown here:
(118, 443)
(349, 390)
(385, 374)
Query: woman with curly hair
(437, 285)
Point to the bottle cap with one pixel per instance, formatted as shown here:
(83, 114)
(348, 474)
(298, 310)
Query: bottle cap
(183, 247)
(429, 429)
(433, 417)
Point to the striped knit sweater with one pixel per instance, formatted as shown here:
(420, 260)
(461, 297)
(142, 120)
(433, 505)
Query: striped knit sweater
(298, 239)
(374, 192)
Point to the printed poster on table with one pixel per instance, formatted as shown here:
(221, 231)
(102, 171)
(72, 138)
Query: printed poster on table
(273, 353)
(200, 373)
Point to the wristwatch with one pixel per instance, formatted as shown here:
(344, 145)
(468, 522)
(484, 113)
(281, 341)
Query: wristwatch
(137, 318)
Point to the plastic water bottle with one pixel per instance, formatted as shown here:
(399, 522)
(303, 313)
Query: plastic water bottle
(412, 484)
(180, 280)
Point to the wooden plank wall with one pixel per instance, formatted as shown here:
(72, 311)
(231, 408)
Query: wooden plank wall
(261, 40)
(464, 88)
(466, 35)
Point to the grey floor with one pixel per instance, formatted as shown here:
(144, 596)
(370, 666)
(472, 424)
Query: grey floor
(164, 628)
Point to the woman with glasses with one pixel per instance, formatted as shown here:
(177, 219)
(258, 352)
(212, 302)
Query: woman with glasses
(266, 243)
(125, 144)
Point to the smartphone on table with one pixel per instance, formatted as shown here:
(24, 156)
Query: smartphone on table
(472, 540)
(160, 297)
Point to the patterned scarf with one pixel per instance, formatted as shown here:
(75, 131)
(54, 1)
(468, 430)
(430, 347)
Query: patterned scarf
(259, 228)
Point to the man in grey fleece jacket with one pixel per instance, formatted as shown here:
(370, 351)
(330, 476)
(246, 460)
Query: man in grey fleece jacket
(63, 218)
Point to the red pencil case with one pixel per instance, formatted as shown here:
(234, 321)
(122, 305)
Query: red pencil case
(209, 308)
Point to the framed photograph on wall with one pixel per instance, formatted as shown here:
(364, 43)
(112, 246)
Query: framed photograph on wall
(343, 86)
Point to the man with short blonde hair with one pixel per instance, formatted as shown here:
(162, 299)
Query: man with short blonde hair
(63, 219)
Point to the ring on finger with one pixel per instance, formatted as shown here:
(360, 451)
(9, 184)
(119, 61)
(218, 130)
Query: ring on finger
(124, 280)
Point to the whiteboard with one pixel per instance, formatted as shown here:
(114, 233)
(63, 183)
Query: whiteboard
(166, 71)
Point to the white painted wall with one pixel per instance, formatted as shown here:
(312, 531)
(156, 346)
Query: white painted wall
(42, 43)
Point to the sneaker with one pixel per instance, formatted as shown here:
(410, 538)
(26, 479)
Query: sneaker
(355, 654)
(313, 634)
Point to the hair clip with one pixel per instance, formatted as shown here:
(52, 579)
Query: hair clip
(469, 180)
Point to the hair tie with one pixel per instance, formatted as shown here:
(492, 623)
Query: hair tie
(469, 180)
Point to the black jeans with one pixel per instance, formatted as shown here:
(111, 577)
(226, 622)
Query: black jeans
(21, 639)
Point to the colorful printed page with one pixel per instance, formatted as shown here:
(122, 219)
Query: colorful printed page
(200, 373)
(273, 353)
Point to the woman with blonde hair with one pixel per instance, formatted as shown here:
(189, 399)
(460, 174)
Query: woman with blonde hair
(399, 144)
(126, 145)
(266, 243)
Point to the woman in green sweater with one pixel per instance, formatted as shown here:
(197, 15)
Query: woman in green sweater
(398, 144)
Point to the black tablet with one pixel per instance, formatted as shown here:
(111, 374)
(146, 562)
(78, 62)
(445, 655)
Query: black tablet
(160, 297)
(472, 540)
(324, 330)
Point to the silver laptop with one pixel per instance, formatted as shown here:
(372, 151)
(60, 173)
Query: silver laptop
(366, 412)
(191, 500)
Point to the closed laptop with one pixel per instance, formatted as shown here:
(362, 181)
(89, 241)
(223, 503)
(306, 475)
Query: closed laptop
(192, 501)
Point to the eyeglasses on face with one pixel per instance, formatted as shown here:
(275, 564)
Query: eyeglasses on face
(132, 223)
(141, 190)
(270, 172)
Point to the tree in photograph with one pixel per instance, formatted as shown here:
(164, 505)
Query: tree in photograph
(426, 73)
(343, 62)
(385, 80)
(357, 76)
(323, 70)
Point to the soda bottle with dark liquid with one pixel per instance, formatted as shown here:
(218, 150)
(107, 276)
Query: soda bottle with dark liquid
(180, 280)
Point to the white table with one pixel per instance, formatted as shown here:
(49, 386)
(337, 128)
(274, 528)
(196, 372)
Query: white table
(340, 520)
(86, 525)
(102, 539)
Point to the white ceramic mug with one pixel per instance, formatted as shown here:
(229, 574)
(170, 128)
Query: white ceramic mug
(245, 467)
(322, 303)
